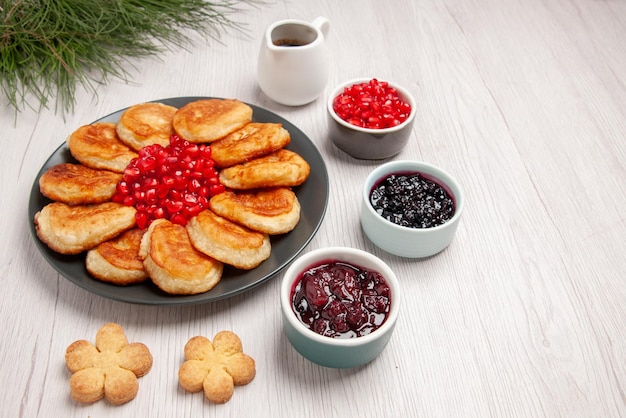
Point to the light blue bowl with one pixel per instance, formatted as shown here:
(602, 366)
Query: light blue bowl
(328, 351)
(400, 240)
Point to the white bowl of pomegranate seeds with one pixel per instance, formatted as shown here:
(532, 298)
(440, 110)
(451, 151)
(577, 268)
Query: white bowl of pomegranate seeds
(339, 306)
(370, 118)
(411, 208)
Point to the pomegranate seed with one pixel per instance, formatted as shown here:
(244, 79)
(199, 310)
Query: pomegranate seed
(142, 219)
(151, 196)
(216, 189)
(203, 191)
(158, 213)
(175, 195)
(192, 211)
(122, 188)
(174, 206)
(139, 195)
(118, 198)
(150, 182)
(194, 184)
(178, 218)
(147, 164)
(132, 172)
(167, 180)
(162, 191)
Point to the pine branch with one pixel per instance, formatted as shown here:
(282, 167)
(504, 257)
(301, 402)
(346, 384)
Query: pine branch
(50, 47)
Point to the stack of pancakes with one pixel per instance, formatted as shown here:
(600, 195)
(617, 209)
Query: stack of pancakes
(256, 168)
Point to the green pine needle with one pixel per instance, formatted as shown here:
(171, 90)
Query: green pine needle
(50, 47)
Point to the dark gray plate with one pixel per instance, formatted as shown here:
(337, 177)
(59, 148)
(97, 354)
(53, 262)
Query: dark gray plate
(313, 197)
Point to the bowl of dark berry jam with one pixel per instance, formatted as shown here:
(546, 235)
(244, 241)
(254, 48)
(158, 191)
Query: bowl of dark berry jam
(339, 306)
(411, 208)
(370, 119)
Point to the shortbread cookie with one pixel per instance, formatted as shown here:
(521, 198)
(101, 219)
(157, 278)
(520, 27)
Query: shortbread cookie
(109, 369)
(216, 367)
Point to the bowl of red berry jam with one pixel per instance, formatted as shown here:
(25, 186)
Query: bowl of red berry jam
(370, 119)
(339, 306)
(411, 208)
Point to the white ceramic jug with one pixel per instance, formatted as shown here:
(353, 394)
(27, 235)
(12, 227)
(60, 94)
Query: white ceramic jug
(294, 61)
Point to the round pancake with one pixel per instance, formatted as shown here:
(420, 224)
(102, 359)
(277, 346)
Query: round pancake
(74, 229)
(210, 119)
(117, 261)
(173, 264)
(146, 124)
(271, 211)
(227, 241)
(252, 141)
(76, 184)
(98, 146)
(283, 168)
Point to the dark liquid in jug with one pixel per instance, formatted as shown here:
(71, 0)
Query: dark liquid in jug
(289, 42)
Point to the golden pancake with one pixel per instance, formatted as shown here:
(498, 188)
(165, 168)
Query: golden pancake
(252, 141)
(146, 124)
(210, 119)
(271, 211)
(117, 261)
(73, 229)
(227, 241)
(173, 264)
(98, 146)
(282, 168)
(76, 184)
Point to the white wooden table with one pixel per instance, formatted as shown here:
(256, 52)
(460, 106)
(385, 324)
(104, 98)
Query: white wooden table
(523, 315)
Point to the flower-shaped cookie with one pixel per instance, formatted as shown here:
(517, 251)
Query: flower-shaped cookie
(216, 367)
(109, 369)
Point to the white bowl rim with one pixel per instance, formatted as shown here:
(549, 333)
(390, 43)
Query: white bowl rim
(401, 165)
(403, 92)
(320, 254)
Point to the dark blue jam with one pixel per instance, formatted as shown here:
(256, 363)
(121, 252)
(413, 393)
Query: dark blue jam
(413, 200)
(340, 300)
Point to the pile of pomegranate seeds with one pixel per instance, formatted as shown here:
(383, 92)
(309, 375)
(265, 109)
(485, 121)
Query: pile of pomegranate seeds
(173, 182)
(373, 105)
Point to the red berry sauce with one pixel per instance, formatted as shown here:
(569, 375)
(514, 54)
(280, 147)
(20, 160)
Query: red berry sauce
(412, 200)
(340, 300)
(173, 182)
(373, 105)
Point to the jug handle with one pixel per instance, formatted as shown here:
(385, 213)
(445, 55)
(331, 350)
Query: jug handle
(322, 24)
